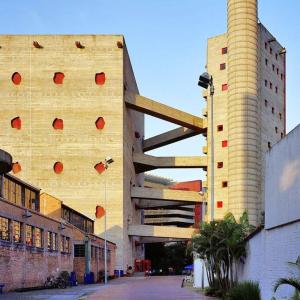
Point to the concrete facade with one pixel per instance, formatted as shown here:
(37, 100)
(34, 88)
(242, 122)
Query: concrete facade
(248, 68)
(270, 250)
(70, 101)
(79, 101)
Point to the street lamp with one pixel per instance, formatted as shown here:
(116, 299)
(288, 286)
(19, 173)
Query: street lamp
(205, 81)
(108, 160)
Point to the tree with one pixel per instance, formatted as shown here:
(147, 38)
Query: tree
(221, 244)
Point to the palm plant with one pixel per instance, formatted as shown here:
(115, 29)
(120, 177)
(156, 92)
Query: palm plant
(292, 281)
(221, 244)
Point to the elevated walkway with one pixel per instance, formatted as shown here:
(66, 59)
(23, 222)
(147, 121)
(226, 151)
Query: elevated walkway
(164, 112)
(144, 162)
(170, 137)
(189, 197)
(160, 231)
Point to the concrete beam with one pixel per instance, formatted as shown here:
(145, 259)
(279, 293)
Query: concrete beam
(167, 212)
(160, 231)
(164, 112)
(166, 194)
(152, 240)
(168, 220)
(146, 203)
(169, 137)
(144, 162)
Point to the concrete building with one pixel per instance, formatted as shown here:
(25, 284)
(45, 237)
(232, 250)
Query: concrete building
(271, 248)
(249, 113)
(39, 237)
(68, 102)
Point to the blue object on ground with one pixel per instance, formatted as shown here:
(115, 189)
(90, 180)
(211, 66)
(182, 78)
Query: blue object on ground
(92, 277)
(73, 279)
(1, 287)
(189, 267)
(119, 273)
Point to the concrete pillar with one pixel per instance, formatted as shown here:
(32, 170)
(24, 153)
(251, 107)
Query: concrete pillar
(87, 245)
(244, 174)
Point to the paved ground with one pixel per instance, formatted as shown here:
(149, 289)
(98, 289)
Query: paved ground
(150, 288)
(136, 288)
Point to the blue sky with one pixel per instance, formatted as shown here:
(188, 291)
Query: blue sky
(167, 45)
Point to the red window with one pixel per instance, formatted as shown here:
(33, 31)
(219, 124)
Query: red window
(79, 45)
(100, 78)
(224, 143)
(16, 123)
(58, 77)
(224, 184)
(16, 78)
(220, 165)
(58, 124)
(219, 204)
(100, 167)
(100, 123)
(36, 44)
(16, 167)
(224, 50)
(58, 167)
(224, 87)
(222, 66)
(220, 128)
(100, 212)
(119, 44)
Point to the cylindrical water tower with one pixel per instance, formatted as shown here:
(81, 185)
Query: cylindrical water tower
(244, 156)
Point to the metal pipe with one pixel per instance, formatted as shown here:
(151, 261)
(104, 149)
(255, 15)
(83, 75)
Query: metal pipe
(105, 241)
(212, 154)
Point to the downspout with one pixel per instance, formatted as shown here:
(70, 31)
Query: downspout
(284, 88)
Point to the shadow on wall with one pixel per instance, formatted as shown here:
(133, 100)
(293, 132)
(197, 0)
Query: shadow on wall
(115, 234)
(289, 175)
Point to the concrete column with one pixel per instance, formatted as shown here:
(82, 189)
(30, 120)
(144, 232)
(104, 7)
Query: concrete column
(244, 174)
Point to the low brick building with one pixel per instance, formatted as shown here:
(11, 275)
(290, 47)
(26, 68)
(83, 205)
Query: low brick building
(36, 242)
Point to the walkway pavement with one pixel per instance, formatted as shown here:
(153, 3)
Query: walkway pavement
(135, 288)
(147, 288)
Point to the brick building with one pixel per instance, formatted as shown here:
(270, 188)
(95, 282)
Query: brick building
(36, 243)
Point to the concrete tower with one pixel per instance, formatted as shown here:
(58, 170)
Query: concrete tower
(244, 165)
(248, 67)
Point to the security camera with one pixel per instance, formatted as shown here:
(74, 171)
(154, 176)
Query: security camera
(109, 160)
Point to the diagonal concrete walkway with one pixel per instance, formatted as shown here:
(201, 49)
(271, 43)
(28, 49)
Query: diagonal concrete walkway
(150, 288)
